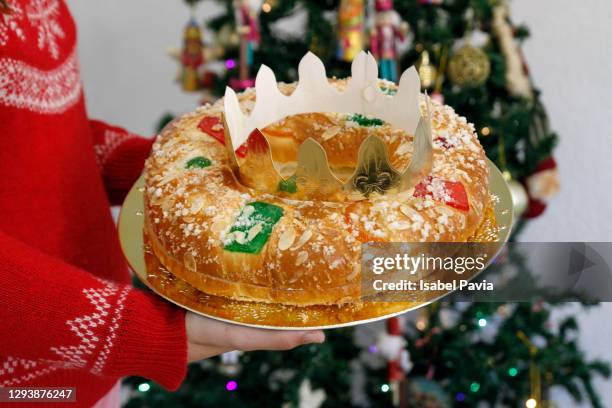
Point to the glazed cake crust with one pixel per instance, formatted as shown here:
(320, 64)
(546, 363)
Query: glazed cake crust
(311, 254)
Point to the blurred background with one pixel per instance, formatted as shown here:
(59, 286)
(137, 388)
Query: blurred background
(130, 76)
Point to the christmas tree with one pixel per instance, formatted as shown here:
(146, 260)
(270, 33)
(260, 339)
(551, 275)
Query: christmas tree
(467, 53)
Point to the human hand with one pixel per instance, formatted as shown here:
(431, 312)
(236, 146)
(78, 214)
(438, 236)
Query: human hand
(207, 337)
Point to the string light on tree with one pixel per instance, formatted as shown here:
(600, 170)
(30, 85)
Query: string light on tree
(144, 387)
(531, 403)
(268, 5)
(231, 386)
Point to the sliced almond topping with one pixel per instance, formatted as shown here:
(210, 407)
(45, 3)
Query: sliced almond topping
(410, 212)
(402, 148)
(303, 239)
(330, 132)
(355, 272)
(189, 261)
(196, 205)
(254, 231)
(400, 226)
(286, 239)
(301, 258)
(445, 211)
(239, 237)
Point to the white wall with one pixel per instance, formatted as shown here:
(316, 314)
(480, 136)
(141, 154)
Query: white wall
(570, 56)
(128, 81)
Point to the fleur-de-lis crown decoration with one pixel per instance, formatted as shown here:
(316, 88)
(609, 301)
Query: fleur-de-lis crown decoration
(313, 177)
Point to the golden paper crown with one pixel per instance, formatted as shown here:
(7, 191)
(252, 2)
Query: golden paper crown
(313, 177)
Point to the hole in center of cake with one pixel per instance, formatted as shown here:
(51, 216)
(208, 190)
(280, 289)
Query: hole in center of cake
(340, 134)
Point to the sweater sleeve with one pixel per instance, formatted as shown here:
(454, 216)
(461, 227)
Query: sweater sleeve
(61, 317)
(121, 156)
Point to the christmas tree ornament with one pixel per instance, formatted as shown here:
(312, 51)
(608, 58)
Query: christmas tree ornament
(534, 370)
(192, 57)
(438, 97)
(517, 78)
(449, 317)
(227, 37)
(479, 38)
(392, 344)
(389, 29)
(519, 198)
(246, 14)
(541, 187)
(230, 365)
(351, 16)
(427, 71)
(425, 393)
(469, 66)
(309, 398)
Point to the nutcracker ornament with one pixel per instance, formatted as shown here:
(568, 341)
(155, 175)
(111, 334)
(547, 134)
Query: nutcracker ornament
(392, 346)
(350, 29)
(192, 57)
(389, 29)
(246, 13)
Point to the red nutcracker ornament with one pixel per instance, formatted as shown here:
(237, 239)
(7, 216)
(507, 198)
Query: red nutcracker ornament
(388, 31)
(246, 13)
(392, 347)
(192, 57)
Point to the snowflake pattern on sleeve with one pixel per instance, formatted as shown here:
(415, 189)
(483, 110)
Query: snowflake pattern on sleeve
(10, 24)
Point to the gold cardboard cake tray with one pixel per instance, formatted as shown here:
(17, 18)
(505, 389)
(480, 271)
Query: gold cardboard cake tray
(152, 273)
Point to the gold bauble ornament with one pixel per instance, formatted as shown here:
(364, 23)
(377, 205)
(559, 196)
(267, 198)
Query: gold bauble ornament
(519, 198)
(227, 37)
(427, 71)
(469, 66)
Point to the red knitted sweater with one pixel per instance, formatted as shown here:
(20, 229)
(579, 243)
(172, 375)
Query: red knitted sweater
(68, 315)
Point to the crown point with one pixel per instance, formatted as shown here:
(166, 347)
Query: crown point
(409, 91)
(422, 157)
(410, 79)
(311, 69)
(364, 68)
(233, 117)
(265, 76)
